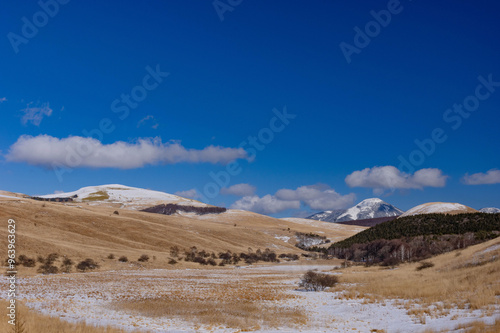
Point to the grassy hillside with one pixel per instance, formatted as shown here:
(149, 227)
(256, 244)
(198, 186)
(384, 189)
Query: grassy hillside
(88, 230)
(466, 278)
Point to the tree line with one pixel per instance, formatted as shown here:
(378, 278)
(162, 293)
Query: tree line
(414, 238)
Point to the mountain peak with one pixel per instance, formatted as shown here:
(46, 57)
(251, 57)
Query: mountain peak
(370, 201)
(366, 209)
(490, 210)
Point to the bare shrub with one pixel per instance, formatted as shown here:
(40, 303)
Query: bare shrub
(143, 258)
(48, 266)
(87, 264)
(51, 258)
(26, 261)
(313, 281)
(172, 261)
(174, 251)
(48, 269)
(66, 265)
(123, 259)
(116, 212)
(111, 256)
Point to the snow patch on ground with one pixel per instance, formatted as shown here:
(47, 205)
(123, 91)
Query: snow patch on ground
(89, 297)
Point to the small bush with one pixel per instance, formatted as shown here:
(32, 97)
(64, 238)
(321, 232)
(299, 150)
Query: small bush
(172, 261)
(424, 265)
(51, 258)
(212, 262)
(66, 265)
(40, 259)
(313, 281)
(174, 251)
(87, 264)
(143, 258)
(111, 256)
(26, 261)
(123, 259)
(116, 212)
(48, 269)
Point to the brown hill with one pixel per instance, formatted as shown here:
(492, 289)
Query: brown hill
(88, 230)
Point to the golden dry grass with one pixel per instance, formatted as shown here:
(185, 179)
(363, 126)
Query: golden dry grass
(247, 305)
(466, 279)
(93, 231)
(37, 323)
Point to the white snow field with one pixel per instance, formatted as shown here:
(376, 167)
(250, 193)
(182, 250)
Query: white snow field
(128, 197)
(95, 298)
(438, 207)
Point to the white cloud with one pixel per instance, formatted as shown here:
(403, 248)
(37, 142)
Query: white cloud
(76, 151)
(35, 115)
(3, 99)
(490, 177)
(268, 204)
(192, 194)
(389, 177)
(317, 197)
(240, 190)
(145, 119)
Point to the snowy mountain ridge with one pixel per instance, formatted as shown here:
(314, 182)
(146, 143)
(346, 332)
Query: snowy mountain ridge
(366, 209)
(439, 207)
(128, 197)
(490, 210)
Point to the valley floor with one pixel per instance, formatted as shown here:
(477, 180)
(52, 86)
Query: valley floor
(260, 298)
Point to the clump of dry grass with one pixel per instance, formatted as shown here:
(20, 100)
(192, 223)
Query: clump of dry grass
(29, 321)
(239, 306)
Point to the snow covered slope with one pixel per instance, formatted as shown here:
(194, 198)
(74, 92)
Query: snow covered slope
(439, 207)
(127, 197)
(490, 210)
(366, 209)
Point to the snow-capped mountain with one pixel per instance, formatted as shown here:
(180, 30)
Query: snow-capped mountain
(439, 207)
(126, 196)
(490, 210)
(366, 209)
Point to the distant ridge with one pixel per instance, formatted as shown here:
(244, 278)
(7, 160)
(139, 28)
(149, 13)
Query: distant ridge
(366, 209)
(440, 208)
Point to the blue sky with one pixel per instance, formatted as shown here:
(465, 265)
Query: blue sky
(163, 95)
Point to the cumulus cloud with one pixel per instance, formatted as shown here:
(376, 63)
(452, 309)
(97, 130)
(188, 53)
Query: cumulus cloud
(35, 115)
(317, 197)
(268, 204)
(76, 151)
(240, 190)
(192, 194)
(490, 177)
(3, 99)
(389, 177)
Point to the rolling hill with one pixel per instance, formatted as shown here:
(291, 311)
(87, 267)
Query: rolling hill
(96, 228)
